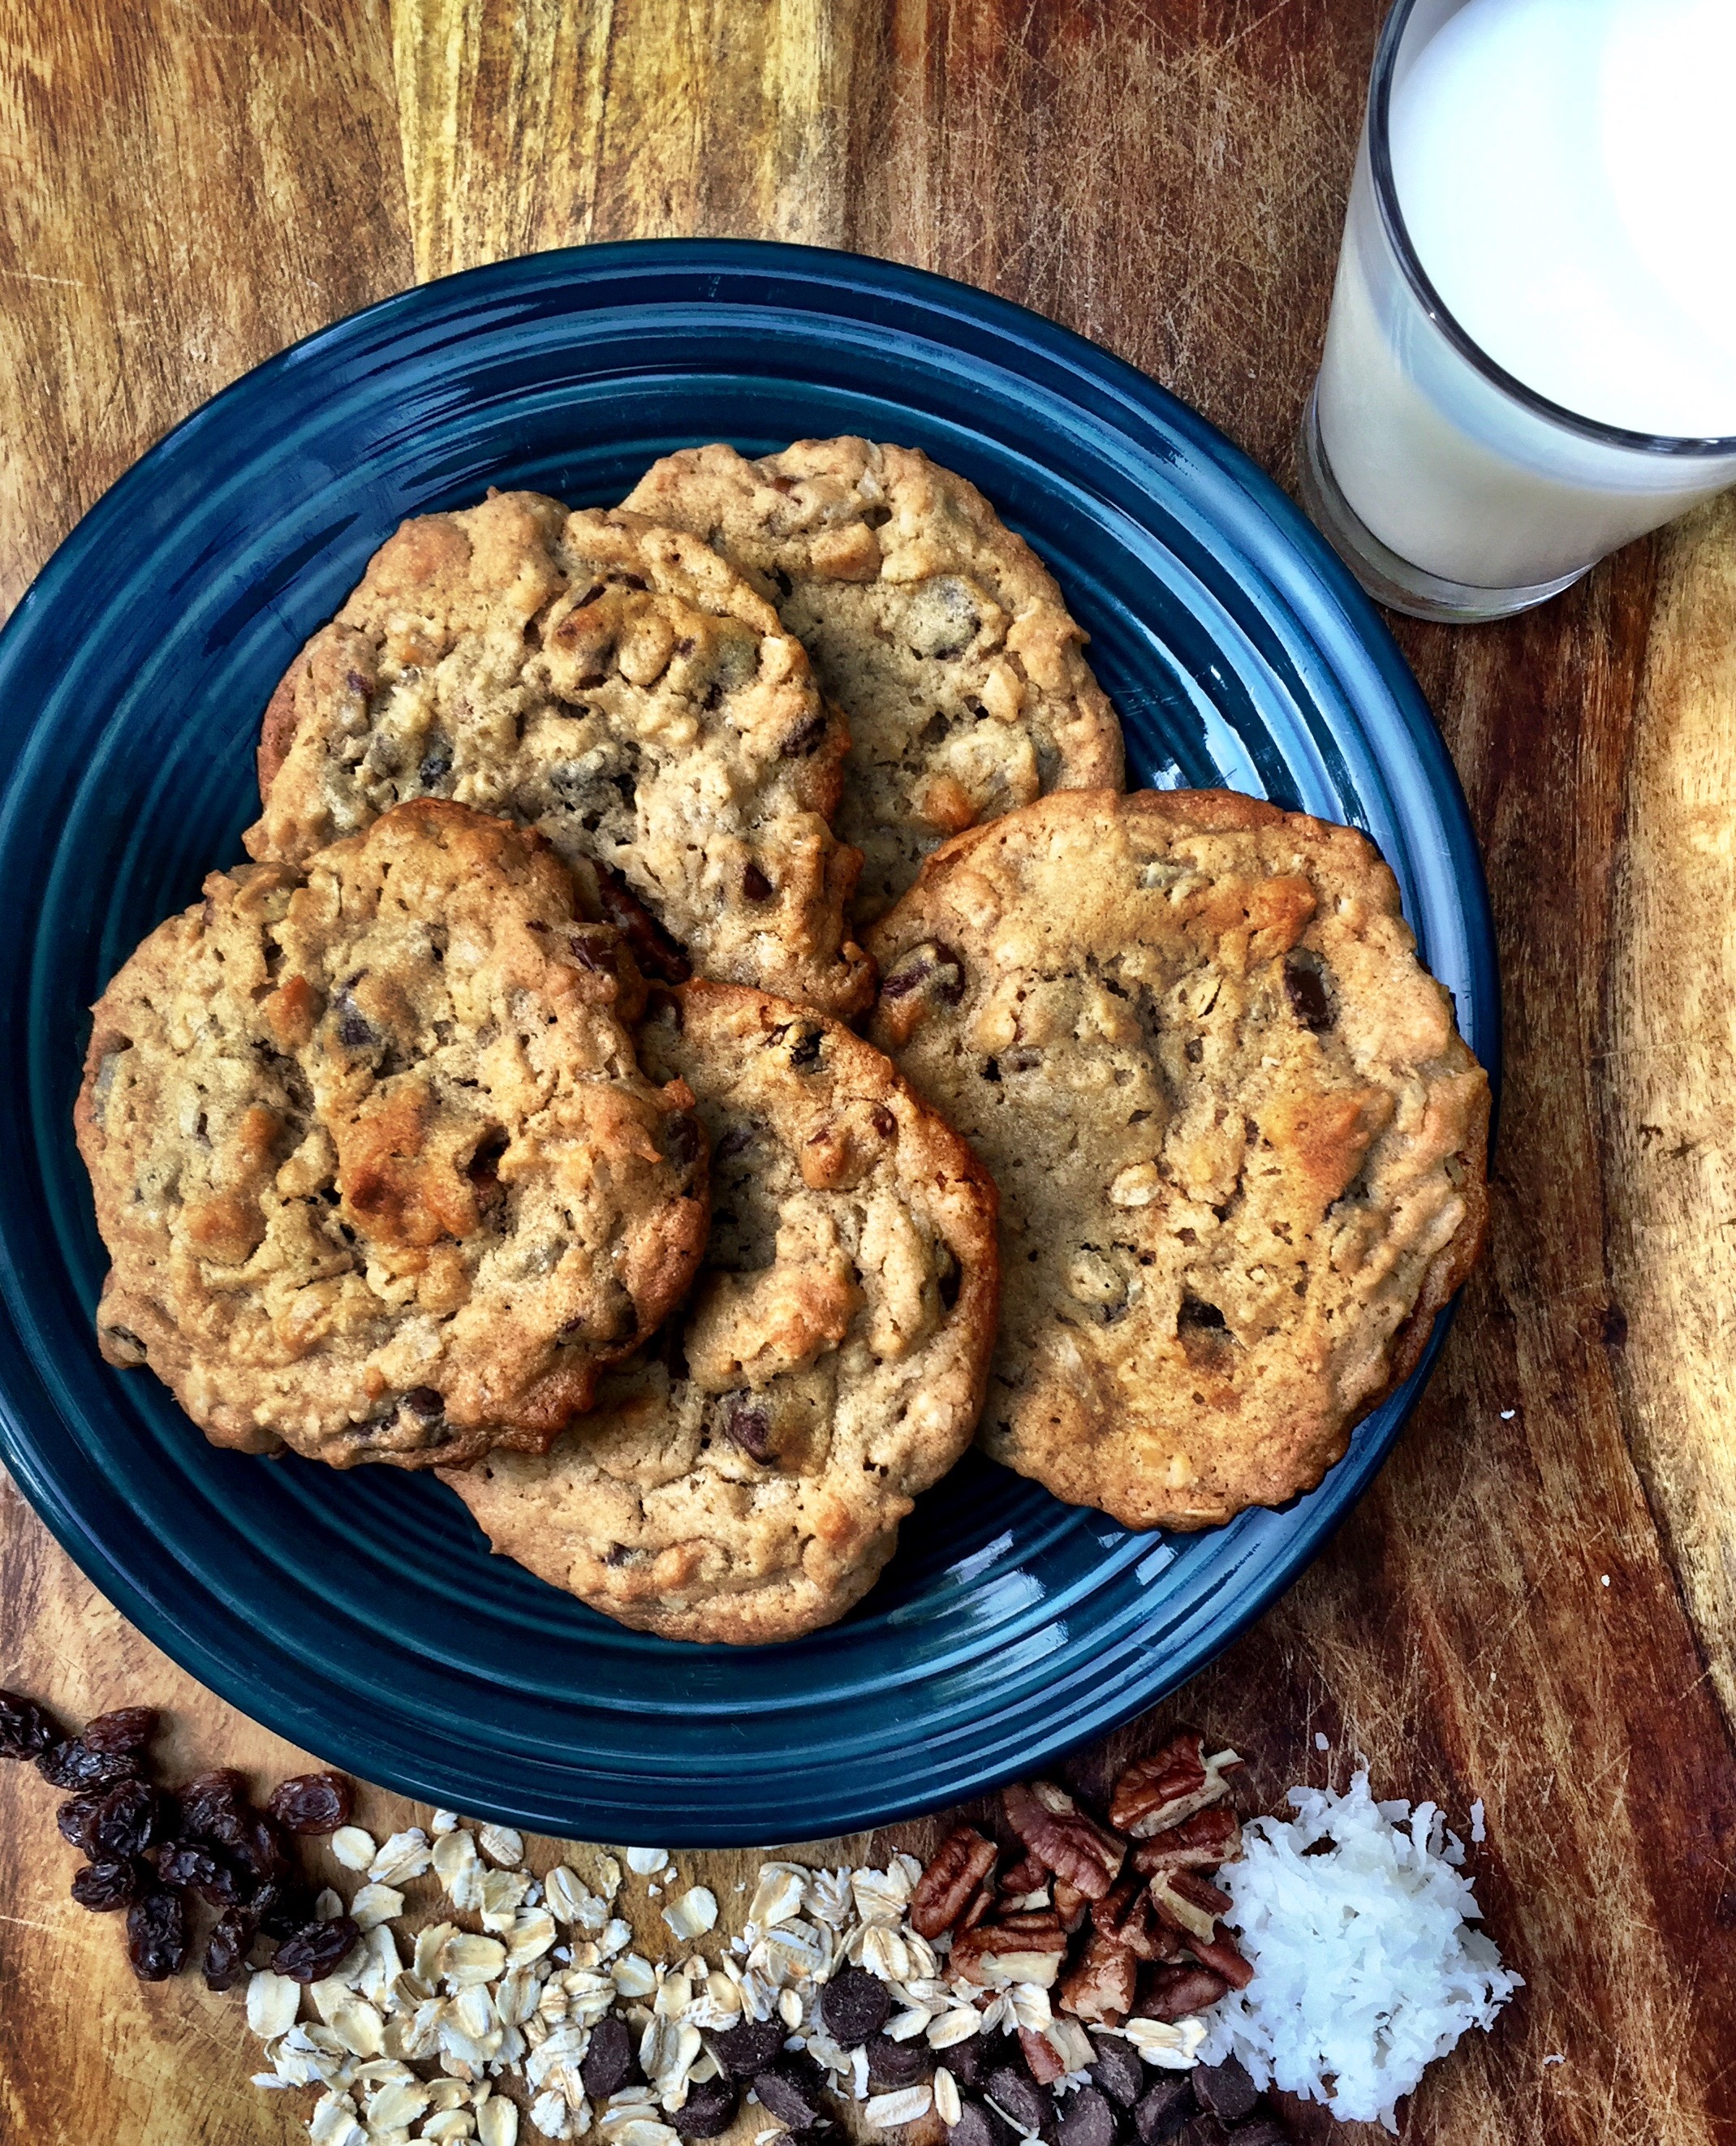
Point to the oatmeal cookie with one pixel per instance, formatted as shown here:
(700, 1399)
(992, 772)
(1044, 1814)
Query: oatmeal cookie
(1238, 1141)
(372, 1156)
(610, 683)
(938, 631)
(743, 1479)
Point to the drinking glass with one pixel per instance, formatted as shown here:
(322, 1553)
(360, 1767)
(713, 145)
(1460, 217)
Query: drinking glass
(1451, 489)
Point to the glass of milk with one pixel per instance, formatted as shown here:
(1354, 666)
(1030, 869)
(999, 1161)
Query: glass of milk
(1531, 356)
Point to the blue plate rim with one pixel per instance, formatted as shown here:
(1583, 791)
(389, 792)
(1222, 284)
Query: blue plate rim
(1302, 571)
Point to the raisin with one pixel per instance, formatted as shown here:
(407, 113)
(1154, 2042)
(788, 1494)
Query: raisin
(749, 1426)
(156, 1936)
(609, 2062)
(74, 1765)
(435, 767)
(255, 1847)
(681, 1139)
(656, 952)
(211, 1800)
(74, 1818)
(184, 1867)
(281, 1906)
(803, 738)
(226, 1953)
(107, 1884)
(1305, 981)
(317, 1949)
(26, 1728)
(127, 1819)
(354, 1031)
(126, 1729)
(319, 1802)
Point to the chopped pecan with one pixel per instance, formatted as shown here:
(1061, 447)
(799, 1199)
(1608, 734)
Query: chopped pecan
(1027, 1875)
(1069, 1904)
(1221, 1956)
(1125, 1916)
(1175, 1781)
(982, 1904)
(957, 1867)
(1101, 1986)
(1202, 1842)
(1042, 2057)
(1188, 1902)
(1176, 1993)
(1059, 1834)
(1019, 1949)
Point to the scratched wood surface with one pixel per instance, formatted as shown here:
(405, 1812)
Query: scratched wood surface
(1537, 1603)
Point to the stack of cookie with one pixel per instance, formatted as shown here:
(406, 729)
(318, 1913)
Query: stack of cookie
(503, 1116)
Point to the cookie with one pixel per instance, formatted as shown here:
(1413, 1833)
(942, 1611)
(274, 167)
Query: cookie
(743, 1479)
(1239, 1144)
(376, 1168)
(615, 685)
(938, 631)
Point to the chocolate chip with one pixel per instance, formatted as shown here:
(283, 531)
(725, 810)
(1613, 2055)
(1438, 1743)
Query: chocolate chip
(355, 1032)
(1162, 2110)
(969, 2062)
(978, 2124)
(1087, 2118)
(894, 2065)
(709, 2110)
(1118, 2070)
(1260, 2131)
(436, 764)
(1201, 2130)
(681, 1138)
(853, 2005)
(1017, 2095)
(790, 2089)
(610, 2061)
(801, 1041)
(1225, 2089)
(424, 1402)
(755, 885)
(803, 739)
(1305, 980)
(746, 2050)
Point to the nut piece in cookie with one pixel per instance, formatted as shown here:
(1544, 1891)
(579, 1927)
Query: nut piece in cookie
(1239, 1144)
(374, 1160)
(743, 1478)
(939, 632)
(615, 685)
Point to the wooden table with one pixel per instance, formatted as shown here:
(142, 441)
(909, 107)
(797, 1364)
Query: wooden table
(1537, 1603)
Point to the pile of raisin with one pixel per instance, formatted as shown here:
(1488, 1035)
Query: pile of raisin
(157, 1852)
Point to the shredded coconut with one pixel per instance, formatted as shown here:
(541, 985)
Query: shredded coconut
(1364, 1971)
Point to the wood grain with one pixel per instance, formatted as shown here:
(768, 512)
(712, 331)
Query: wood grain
(187, 187)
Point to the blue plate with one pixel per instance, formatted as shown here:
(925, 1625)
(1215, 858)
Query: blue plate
(360, 1614)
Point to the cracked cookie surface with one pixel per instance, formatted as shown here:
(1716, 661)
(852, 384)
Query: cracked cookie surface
(375, 1163)
(743, 1479)
(940, 633)
(615, 685)
(1239, 1144)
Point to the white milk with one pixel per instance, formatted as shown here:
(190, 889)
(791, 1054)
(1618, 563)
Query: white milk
(1566, 173)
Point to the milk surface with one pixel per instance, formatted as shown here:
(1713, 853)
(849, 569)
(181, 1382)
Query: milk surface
(1565, 170)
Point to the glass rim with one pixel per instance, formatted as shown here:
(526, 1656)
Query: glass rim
(1688, 447)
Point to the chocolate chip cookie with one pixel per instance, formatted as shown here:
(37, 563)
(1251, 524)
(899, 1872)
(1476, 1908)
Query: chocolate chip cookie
(743, 1478)
(610, 683)
(938, 631)
(1239, 1144)
(377, 1167)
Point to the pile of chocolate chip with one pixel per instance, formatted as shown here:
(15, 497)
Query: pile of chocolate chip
(160, 1851)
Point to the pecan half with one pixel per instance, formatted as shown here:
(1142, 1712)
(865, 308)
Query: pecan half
(1101, 1986)
(1175, 1781)
(1020, 1949)
(1202, 1842)
(1187, 1902)
(1125, 1917)
(1042, 2058)
(957, 1867)
(1221, 1956)
(1059, 1834)
(1177, 1993)
(1069, 1904)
